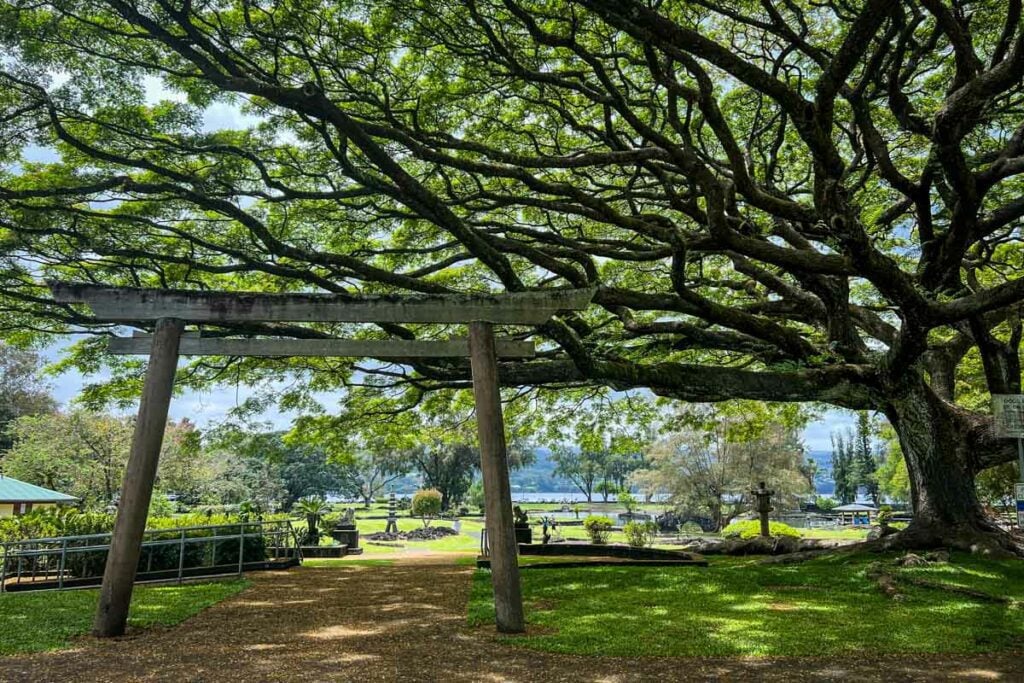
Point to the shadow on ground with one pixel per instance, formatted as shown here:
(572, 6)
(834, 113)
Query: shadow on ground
(407, 622)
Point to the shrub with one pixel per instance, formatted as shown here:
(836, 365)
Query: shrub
(598, 528)
(825, 504)
(751, 528)
(627, 500)
(640, 534)
(884, 516)
(314, 509)
(475, 496)
(161, 506)
(691, 528)
(426, 504)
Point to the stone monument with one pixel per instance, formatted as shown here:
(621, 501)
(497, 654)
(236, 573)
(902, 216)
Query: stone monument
(392, 527)
(763, 496)
(345, 532)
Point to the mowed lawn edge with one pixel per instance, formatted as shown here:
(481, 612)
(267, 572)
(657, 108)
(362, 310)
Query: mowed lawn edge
(740, 607)
(51, 620)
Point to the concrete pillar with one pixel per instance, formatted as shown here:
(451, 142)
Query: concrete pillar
(508, 600)
(137, 488)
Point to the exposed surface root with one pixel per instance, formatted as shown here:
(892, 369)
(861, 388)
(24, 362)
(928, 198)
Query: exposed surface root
(983, 538)
(888, 577)
(885, 579)
(980, 596)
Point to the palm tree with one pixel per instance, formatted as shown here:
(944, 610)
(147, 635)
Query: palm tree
(314, 508)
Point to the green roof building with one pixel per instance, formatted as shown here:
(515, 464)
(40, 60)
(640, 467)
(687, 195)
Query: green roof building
(18, 497)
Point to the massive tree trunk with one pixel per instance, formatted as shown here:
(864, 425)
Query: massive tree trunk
(937, 443)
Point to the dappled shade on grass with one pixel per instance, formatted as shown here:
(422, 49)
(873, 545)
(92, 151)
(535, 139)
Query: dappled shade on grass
(821, 607)
(46, 620)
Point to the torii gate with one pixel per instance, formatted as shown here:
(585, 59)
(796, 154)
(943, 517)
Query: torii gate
(172, 309)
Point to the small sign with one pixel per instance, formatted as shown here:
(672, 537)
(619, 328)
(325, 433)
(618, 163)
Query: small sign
(1008, 410)
(1018, 490)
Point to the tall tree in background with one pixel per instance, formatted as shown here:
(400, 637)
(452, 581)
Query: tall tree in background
(598, 447)
(297, 469)
(581, 467)
(709, 471)
(21, 391)
(799, 201)
(79, 453)
(369, 474)
(84, 454)
(865, 462)
(843, 469)
(447, 468)
(364, 463)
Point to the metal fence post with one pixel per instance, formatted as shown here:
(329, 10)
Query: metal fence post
(63, 558)
(241, 547)
(181, 557)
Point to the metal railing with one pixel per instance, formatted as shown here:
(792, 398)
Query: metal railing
(167, 554)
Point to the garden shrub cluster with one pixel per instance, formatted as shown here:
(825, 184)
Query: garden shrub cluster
(751, 528)
(640, 534)
(426, 504)
(598, 527)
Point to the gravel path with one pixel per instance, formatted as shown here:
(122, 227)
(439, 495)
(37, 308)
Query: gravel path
(407, 623)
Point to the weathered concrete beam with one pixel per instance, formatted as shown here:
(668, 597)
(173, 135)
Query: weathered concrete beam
(351, 348)
(116, 304)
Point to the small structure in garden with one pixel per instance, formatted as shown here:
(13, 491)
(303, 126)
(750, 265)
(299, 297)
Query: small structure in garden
(524, 534)
(392, 527)
(345, 533)
(19, 497)
(856, 514)
(763, 496)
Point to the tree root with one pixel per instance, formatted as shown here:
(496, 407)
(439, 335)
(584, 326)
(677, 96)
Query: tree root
(982, 538)
(889, 579)
(980, 596)
(886, 580)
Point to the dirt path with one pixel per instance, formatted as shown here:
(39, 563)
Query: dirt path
(407, 623)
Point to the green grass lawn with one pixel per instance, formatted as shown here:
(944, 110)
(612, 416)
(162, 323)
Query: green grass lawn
(737, 606)
(48, 620)
(468, 541)
(354, 560)
(858, 534)
(463, 543)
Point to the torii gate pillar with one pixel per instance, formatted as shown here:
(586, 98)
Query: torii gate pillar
(508, 600)
(137, 488)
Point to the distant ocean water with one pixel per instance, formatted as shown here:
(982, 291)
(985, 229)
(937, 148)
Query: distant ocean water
(560, 497)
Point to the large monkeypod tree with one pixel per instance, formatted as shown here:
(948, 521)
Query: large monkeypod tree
(784, 200)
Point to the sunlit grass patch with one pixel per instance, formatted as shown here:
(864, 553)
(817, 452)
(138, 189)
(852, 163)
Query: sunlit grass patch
(341, 562)
(48, 620)
(738, 606)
